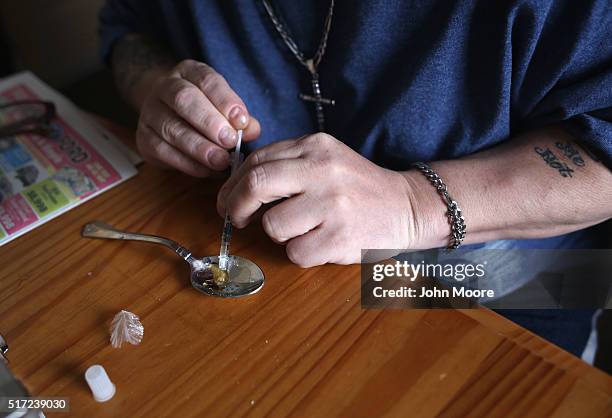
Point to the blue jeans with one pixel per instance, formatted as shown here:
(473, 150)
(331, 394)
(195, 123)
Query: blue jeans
(567, 328)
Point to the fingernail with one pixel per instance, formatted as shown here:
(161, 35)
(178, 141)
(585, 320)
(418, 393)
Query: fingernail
(219, 159)
(238, 117)
(227, 136)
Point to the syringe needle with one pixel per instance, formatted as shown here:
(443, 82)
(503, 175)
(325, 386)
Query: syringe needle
(226, 236)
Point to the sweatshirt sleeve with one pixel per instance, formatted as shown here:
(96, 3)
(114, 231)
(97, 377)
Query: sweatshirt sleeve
(120, 17)
(568, 76)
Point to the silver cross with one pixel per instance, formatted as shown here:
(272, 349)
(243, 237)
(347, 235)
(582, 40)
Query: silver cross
(318, 100)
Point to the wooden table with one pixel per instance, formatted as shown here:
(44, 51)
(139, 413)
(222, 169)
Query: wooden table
(300, 347)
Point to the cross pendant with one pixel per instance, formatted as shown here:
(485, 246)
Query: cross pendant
(318, 100)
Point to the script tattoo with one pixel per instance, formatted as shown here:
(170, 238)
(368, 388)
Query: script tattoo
(132, 56)
(570, 152)
(551, 159)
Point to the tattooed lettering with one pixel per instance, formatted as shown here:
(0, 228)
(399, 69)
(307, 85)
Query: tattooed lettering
(553, 161)
(570, 152)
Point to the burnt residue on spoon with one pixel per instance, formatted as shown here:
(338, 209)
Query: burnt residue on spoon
(220, 277)
(243, 278)
(213, 276)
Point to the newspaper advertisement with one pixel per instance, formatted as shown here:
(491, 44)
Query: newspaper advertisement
(42, 176)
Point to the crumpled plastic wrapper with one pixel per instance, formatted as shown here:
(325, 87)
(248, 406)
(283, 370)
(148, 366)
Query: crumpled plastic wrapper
(126, 327)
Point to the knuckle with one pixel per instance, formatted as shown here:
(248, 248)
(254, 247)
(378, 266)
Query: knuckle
(199, 147)
(256, 157)
(316, 140)
(340, 237)
(299, 256)
(271, 226)
(325, 138)
(256, 178)
(171, 130)
(183, 98)
(333, 168)
(188, 64)
(210, 80)
(211, 122)
(321, 137)
(310, 141)
(341, 202)
(192, 147)
(185, 63)
(295, 254)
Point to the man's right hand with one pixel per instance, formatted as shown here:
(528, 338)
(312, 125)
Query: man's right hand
(188, 120)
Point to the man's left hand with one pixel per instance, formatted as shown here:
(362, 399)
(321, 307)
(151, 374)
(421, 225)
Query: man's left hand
(336, 201)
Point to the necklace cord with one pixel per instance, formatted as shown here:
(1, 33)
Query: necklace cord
(310, 64)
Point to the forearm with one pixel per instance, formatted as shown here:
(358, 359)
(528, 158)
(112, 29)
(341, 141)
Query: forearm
(137, 62)
(518, 190)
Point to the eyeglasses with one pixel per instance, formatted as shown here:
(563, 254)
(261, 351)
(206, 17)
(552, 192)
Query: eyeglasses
(27, 117)
(3, 349)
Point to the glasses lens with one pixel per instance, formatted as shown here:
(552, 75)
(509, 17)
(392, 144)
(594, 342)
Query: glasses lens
(15, 112)
(25, 117)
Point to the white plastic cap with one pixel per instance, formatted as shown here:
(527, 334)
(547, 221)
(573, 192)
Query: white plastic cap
(99, 383)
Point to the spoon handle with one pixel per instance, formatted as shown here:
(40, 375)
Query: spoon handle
(97, 229)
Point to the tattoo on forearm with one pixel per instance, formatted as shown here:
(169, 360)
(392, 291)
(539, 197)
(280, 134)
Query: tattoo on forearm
(571, 153)
(553, 161)
(132, 56)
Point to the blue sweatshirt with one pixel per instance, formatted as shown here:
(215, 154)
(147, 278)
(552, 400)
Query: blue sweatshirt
(412, 80)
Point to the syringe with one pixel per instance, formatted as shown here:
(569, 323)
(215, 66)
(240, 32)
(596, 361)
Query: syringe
(226, 236)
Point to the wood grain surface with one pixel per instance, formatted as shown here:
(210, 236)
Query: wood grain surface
(301, 347)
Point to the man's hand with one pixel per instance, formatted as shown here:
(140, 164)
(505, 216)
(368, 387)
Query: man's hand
(337, 201)
(189, 119)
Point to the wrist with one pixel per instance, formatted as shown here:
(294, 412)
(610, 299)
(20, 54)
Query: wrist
(428, 223)
(137, 94)
(137, 63)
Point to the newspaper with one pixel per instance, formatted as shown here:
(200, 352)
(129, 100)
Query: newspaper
(43, 177)
(123, 149)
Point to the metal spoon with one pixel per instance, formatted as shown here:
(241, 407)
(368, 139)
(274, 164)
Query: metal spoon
(245, 276)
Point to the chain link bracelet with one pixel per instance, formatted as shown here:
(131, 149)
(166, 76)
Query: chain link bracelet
(455, 218)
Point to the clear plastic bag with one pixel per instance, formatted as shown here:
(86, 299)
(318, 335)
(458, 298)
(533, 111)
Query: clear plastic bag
(126, 327)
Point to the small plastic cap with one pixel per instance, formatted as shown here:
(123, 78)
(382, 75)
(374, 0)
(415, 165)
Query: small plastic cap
(99, 383)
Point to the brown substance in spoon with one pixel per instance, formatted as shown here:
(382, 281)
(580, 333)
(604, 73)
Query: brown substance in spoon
(220, 277)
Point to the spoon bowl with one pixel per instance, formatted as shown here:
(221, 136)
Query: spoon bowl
(246, 277)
